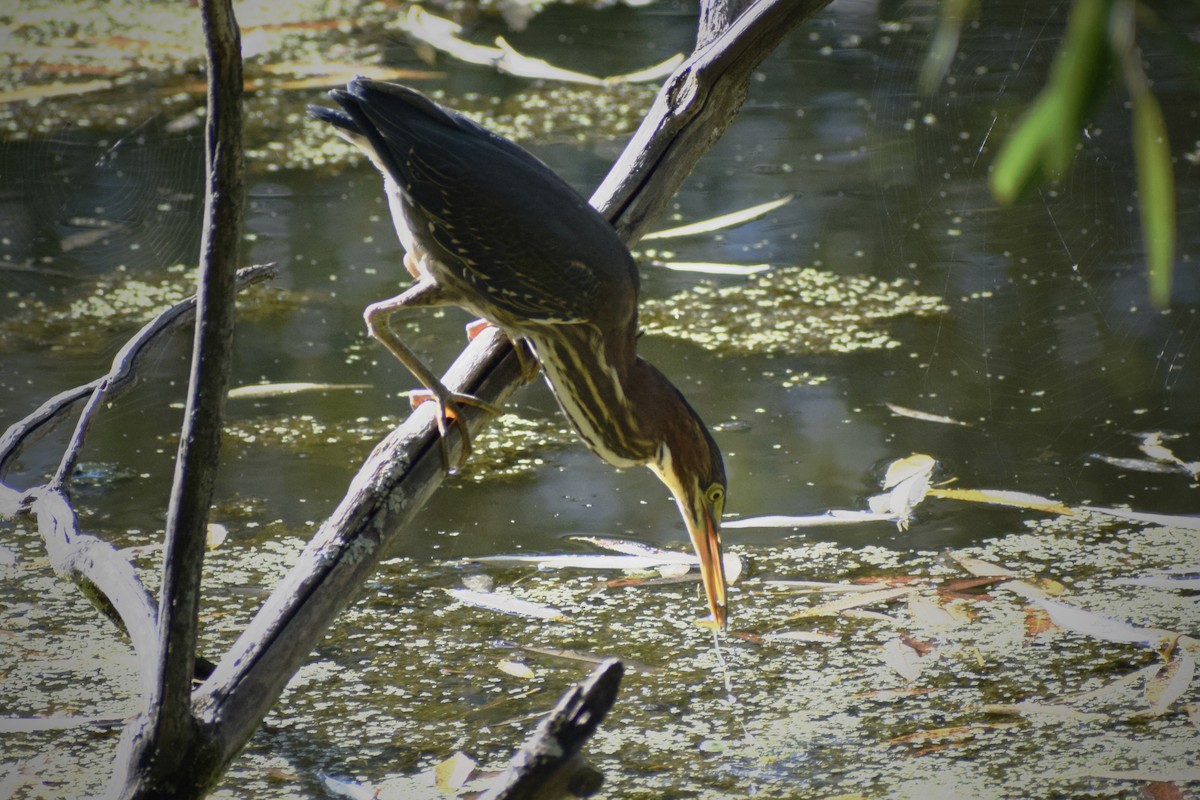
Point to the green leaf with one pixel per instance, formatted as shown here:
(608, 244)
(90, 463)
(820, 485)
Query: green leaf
(1042, 146)
(1156, 192)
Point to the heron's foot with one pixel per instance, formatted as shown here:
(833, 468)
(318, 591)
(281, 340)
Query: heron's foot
(448, 414)
(529, 364)
(477, 326)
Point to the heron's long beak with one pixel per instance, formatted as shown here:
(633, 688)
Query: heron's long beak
(704, 526)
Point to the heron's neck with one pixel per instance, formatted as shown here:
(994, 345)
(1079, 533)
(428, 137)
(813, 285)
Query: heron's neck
(613, 399)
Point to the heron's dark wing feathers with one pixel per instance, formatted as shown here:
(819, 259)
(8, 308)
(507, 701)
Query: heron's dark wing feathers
(488, 210)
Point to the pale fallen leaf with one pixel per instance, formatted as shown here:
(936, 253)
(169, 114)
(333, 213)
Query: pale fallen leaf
(1166, 579)
(903, 469)
(1135, 464)
(443, 34)
(822, 587)
(1045, 710)
(801, 636)
(854, 601)
(342, 787)
(57, 89)
(923, 416)
(506, 604)
(929, 614)
(1169, 683)
(1098, 626)
(455, 771)
(713, 267)
(1003, 497)
(833, 517)
(215, 535)
(980, 568)
(720, 222)
(869, 615)
(902, 658)
(1153, 446)
(263, 390)
(1170, 520)
(637, 557)
(515, 669)
(1162, 774)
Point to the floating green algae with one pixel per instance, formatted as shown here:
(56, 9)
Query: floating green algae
(510, 447)
(790, 310)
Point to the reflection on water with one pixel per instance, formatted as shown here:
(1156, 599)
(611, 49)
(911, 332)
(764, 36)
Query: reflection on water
(1048, 347)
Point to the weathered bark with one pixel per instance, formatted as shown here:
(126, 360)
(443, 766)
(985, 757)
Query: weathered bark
(691, 112)
(157, 746)
(549, 764)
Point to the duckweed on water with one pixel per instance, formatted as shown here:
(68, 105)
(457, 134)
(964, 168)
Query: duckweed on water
(408, 676)
(790, 310)
(510, 447)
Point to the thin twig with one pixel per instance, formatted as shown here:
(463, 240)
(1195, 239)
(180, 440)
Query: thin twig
(121, 376)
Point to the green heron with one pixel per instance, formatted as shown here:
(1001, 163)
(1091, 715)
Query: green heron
(488, 227)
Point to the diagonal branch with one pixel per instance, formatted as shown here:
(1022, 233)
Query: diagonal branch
(407, 467)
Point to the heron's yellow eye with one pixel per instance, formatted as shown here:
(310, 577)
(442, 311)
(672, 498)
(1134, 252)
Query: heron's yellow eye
(715, 495)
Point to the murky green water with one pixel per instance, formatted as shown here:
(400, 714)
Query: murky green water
(1034, 328)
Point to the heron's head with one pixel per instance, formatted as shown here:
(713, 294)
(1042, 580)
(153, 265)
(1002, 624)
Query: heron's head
(689, 463)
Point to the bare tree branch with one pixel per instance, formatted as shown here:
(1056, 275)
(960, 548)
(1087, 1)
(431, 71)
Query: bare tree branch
(121, 375)
(157, 746)
(106, 577)
(549, 763)
(691, 112)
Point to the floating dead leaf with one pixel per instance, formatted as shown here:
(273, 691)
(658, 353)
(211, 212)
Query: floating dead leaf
(956, 733)
(516, 669)
(1112, 691)
(892, 694)
(1099, 626)
(721, 222)
(1153, 445)
(264, 390)
(342, 787)
(451, 774)
(821, 587)
(444, 35)
(801, 636)
(923, 416)
(870, 616)
(903, 657)
(636, 556)
(587, 658)
(1162, 774)
(712, 267)
(964, 588)
(215, 535)
(57, 89)
(836, 516)
(855, 601)
(1044, 710)
(918, 465)
(1169, 520)
(1135, 464)
(1184, 578)
(506, 604)
(1037, 622)
(1003, 497)
(980, 568)
(1169, 683)
(930, 614)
